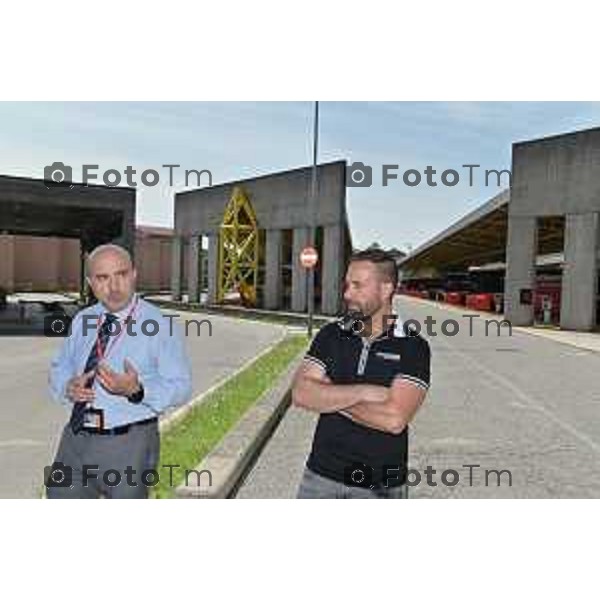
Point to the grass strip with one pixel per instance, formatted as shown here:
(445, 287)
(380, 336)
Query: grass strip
(188, 441)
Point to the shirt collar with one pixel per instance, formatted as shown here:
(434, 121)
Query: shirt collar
(398, 327)
(394, 329)
(122, 314)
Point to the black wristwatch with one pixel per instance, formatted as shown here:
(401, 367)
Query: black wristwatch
(138, 396)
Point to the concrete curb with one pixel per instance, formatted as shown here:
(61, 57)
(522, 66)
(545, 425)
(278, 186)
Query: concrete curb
(582, 340)
(230, 461)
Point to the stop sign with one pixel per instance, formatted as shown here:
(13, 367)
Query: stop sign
(309, 257)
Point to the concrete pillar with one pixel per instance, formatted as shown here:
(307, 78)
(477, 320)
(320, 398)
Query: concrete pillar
(194, 269)
(127, 237)
(176, 249)
(273, 283)
(578, 295)
(82, 273)
(87, 243)
(521, 250)
(332, 266)
(213, 267)
(300, 240)
(7, 262)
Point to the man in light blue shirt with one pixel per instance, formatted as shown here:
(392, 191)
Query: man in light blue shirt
(123, 364)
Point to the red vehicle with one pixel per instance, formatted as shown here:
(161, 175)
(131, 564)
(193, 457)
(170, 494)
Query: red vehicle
(546, 298)
(481, 302)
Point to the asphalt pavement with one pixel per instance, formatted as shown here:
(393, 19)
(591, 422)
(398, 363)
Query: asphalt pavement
(30, 422)
(524, 408)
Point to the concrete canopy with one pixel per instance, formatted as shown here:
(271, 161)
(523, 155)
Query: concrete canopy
(94, 214)
(477, 238)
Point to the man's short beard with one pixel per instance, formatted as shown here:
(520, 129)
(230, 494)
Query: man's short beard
(369, 310)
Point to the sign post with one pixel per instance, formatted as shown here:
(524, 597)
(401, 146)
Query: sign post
(308, 259)
(312, 208)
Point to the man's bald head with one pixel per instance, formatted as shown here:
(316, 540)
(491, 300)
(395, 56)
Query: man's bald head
(111, 275)
(104, 250)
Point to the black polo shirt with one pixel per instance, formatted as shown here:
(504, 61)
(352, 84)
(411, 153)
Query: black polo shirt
(340, 444)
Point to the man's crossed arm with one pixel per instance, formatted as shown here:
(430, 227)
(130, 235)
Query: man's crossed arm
(387, 409)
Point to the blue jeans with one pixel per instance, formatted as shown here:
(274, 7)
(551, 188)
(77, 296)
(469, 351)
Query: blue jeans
(315, 486)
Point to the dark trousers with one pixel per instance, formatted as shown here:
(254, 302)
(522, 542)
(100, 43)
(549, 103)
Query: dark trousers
(314, 486)
(113, 466)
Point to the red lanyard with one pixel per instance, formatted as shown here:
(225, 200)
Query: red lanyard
(103, 353)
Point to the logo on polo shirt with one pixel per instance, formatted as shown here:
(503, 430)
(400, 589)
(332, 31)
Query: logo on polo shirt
(388, 356)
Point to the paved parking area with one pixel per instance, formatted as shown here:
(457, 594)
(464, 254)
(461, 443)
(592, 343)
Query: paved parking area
(525, 403)
(30, 422)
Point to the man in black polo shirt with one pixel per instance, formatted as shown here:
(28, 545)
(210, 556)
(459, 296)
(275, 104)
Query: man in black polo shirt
(367, 378)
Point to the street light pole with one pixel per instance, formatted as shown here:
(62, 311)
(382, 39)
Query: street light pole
(310, 287)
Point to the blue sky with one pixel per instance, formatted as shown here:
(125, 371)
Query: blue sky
(238, 140)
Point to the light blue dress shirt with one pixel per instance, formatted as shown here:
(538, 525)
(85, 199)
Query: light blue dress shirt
(161, 362)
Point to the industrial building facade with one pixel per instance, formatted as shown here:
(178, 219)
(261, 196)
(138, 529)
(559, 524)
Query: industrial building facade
(272, 214)
(535, 246)
(46, 232)
(92, 214)
(555, 178)
(538, 242)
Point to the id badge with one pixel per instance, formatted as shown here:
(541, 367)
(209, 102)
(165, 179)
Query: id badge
(93, 418)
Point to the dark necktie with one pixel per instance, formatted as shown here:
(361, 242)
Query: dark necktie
(96, 353)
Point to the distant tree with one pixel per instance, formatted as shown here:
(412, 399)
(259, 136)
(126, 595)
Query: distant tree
(377, 246)
(374, 246)
(396, 252)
